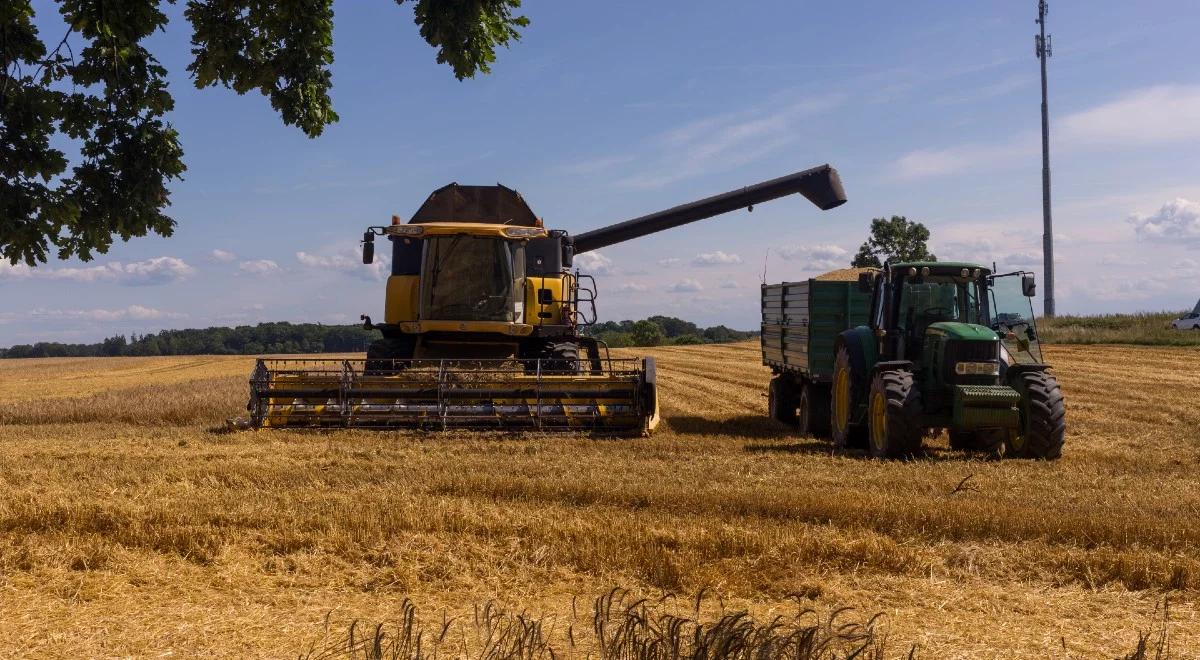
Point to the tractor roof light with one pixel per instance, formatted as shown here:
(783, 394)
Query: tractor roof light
(924, 271)
(405, 230)
(966, 272)
(524, 232)
(912, 271)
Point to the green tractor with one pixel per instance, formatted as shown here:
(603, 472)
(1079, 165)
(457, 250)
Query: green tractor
(946, 346)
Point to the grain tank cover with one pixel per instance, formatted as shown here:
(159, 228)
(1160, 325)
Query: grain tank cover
(495, 205)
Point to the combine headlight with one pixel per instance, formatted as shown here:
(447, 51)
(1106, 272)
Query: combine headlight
(524, 232)
(977, 368)
(405, 230)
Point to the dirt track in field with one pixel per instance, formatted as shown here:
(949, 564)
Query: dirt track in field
(130, 526)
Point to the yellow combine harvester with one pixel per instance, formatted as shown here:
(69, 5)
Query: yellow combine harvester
(482, 323)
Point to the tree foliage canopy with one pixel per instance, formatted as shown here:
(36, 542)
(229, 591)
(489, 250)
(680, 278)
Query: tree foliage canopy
(104, 91)
(894, 239)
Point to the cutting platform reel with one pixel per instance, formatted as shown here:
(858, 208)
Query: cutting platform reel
(616, 396)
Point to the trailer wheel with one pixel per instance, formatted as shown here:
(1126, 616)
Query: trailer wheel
(841, 410)
(1043, 417)
(781, 400)
(893, 414)
(813, 414)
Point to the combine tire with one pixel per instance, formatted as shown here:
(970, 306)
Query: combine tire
(382, 352)
(781, 400)
(812, 415)
(987, 442)
(842, 430)
(1043, 417)
(893, 414)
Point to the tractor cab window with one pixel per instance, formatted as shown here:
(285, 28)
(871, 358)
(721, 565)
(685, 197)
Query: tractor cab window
(934, 299)
(471, 278)
(1011, 316)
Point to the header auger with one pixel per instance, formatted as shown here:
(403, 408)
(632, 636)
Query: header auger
(482, 323)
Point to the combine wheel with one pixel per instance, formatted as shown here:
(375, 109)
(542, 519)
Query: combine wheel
(781, 400)
(1043, 417)
(382, 352)
(893, 411)
(813, 414)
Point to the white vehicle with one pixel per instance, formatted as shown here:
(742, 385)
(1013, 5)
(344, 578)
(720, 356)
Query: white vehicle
(1187, 322)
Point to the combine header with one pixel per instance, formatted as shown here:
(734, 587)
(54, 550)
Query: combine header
(482, 323)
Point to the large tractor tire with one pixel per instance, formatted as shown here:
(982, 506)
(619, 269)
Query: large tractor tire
(893, 415)
(1043, 417)
(990, 442)
(812, 414)
(842, 430)
(382, 352)
(781, 400)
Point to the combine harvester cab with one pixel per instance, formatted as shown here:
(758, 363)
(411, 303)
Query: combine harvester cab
(482, 324)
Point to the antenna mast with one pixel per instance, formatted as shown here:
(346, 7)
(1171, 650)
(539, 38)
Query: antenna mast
(1043, 48)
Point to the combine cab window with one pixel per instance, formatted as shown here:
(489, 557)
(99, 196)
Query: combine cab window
(470, 278)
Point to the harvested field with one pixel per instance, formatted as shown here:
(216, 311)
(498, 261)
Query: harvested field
(131, 524)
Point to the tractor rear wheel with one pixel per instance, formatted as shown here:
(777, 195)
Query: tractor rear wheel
(893, 414)
(1043, 417)
(781, 400)
(812, 417)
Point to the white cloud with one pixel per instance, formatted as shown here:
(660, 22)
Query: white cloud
(130, 313)
(222, 256)
(685, 286)
(670, 261)
(159, 270)
(259, 267)
(1162, 114)
(816, 257)
(1177, 221)
(717, 258)
(1018, 259)
(632, 287)
(729, 284)
(936, 162)
(348, 261)
(594, 263)
(1112, 259)
(727, 141)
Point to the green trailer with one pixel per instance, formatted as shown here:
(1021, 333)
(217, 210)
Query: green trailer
(801, 322)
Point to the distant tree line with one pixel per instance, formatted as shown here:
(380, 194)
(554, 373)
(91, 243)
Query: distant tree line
(663, 331)
(242, 340)
(266, 338)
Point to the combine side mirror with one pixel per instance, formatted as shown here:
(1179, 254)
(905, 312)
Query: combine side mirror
(368, 243)
(866, 282)
(1028, 286)
(568, 254)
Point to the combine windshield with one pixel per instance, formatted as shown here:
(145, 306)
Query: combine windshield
(471, 278)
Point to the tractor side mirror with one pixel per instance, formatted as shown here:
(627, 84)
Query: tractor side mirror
(368, 244)
(1028, 286)
(866, 282)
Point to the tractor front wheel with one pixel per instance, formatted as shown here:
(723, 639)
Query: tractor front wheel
(781, 400)
(841, 409)
(1043, 417)
(893, 414)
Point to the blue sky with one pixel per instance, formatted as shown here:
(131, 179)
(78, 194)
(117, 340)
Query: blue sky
(605, 111)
